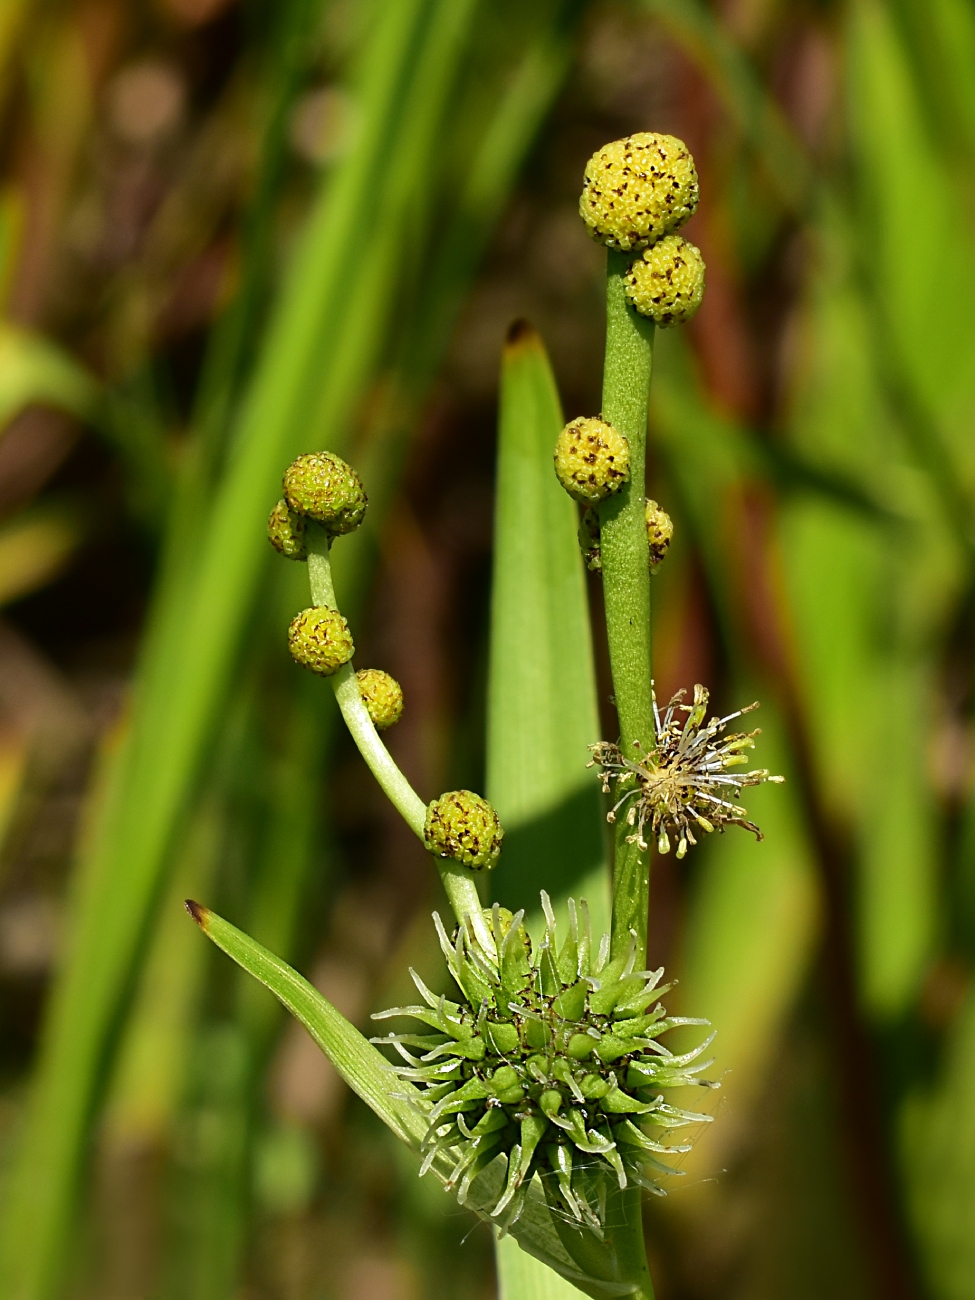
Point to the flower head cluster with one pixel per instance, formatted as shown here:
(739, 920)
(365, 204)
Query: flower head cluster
(684, 784)
(551, 1059)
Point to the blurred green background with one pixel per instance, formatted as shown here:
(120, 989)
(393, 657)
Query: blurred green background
(233, 231)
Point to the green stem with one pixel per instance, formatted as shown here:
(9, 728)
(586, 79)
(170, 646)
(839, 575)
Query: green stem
(458, 881)
(626, 578)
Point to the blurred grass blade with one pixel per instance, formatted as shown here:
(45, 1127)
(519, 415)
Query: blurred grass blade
(541, 690)
(542, 713)
(409, 63)
(937, 1141)
(32, 369)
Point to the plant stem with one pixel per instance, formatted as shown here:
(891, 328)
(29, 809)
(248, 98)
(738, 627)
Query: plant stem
(626, 578)
(458, 881)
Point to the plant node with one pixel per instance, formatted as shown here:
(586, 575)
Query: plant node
(382, 695)
(637, 189)
(667, 282)
(319, 639)
(323, 487)
(685, 782)
(592, 459)
(463, 826)
(552, 1059)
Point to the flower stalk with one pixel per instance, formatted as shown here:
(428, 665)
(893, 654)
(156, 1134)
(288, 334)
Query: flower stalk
(626, 577)
(458, 881)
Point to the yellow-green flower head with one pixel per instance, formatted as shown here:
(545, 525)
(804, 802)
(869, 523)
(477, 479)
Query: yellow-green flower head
(637, 189)
(462, 825)
(286, 532)
(660, 529)
(382, 695)
(667, 282)
(319, 638)
(325, 488)
(592, 459)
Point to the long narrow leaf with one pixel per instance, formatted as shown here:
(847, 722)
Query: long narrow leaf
(542, 697)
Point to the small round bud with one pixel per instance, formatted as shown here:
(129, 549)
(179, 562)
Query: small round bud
(319, 638)
(637, 189)
(660, 529)
(667, 282)
(382, 695)
(592, 459)
(325, 488)
(286, 532)
(462, 825)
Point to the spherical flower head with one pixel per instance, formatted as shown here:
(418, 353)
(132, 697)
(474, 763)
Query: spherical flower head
(286, 532)
(462, 825)
(319, 638)
(382, 695)
(637, 189)
(592, 459)
(323, 487)
(667, 282)
(660, 529)
(552, 1058)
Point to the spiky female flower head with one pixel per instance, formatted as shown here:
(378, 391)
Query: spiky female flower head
(323, 487)
(462, 825)
(684, 783)
(382, 695)
(667, 282)
(660, 529)
(319, 639)
(286, 532)
(552, 1059)
(637, 189)
(592, 459)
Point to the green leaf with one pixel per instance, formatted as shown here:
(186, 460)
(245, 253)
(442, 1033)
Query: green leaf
(541, 695)
(542, 713)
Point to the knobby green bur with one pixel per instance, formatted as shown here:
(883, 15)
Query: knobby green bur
(540, 1095)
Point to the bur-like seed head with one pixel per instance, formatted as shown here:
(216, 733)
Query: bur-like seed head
(552, 1058)
(323, 487)
(462, 825)
(319, 638)
(382, 695)
(637, 189)
(286, 532)
(660, 529)
(667, 282)
(685, 784)
(592, 459)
